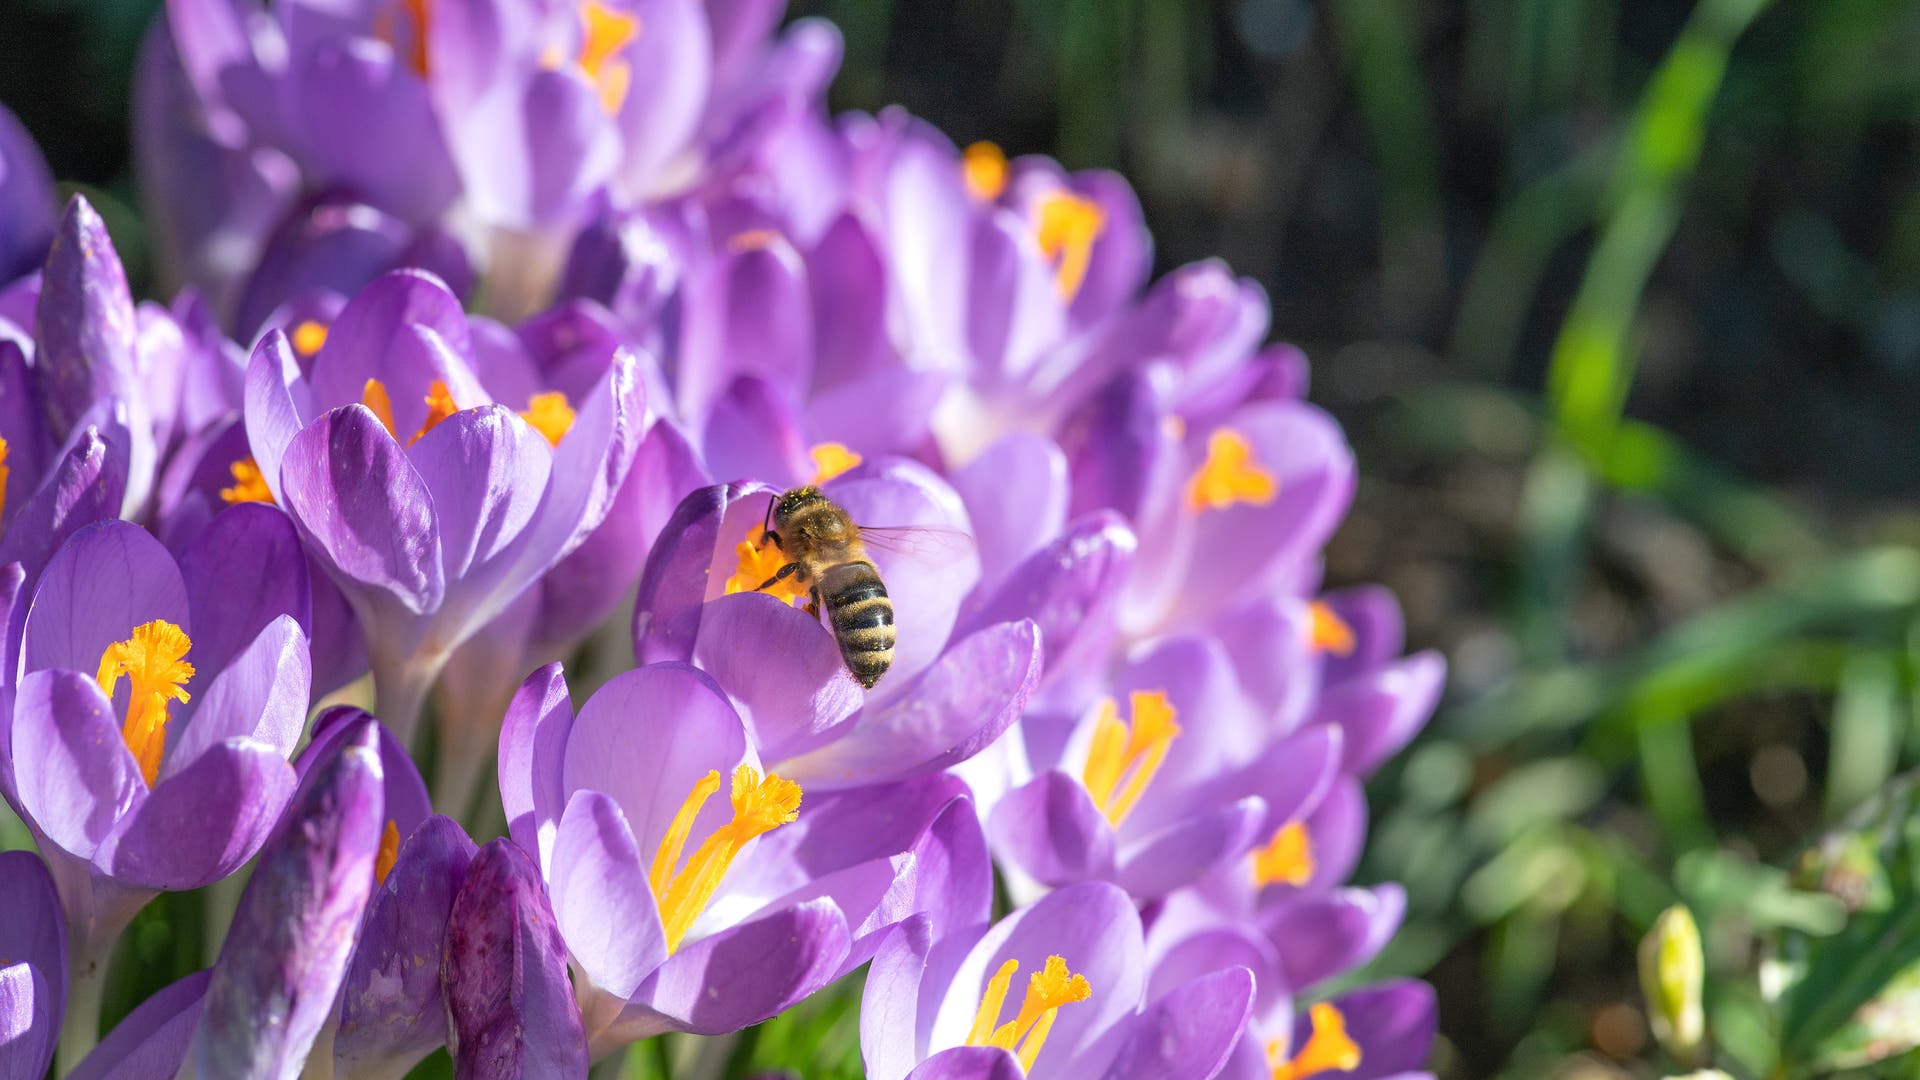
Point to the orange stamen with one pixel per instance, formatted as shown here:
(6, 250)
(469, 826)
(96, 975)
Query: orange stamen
(1287, 859)
(1230, 475)
(759, 806)
(984, 165)
(153, 660)
(1124, 757)
(1067, 228)
(1328, 1049)
(249, 484)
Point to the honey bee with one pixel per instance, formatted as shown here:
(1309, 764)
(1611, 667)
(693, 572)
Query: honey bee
(824, 552)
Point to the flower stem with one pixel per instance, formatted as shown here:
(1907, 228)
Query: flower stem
(86, 984)
(400, 688)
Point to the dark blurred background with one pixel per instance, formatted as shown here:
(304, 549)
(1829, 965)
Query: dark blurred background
(1619, 301)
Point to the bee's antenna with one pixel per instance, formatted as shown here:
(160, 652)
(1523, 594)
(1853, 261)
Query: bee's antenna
(766, 522)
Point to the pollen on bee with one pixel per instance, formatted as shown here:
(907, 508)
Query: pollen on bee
(759, 560)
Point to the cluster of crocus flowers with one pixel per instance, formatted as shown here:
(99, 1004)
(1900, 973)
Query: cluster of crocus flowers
(509, 323)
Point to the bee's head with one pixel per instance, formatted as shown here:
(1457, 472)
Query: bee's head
(790, 502)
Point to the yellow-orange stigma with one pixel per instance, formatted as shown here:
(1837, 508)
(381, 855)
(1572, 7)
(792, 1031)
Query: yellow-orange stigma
(153, 660)
(830, 459)
(1067, 228)
(604, 33)
(1230, 475)
(984, 165)
(308, 337)
(752, 240)
(1328, 1049)
(759, 806)
(550, 415)
(1124, 757)
(758, 561)
(249, 484)
(389, 852)
(373, 394)
(1047, 990)
(439, 406)
(1327, 631)
(1287, 858)
(5, 472)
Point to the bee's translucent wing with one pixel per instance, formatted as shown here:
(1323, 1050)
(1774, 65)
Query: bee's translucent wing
(922, 543)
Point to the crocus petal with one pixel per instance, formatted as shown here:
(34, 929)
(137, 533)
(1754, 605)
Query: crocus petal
(889, 1003)
(85, 328)
(958, 707)
(1338, 829)
(204, 820)
(1069, 589)
(606, 910)
(153, 1039)
(403, 791)
(646, 738)
(363, 509)
(26, 201)
(749, 314)
(1189, 1032)
(277, 404)
(366, 122)
(969, 1063)
(1016, 496)
(73, 774)
(287, 951)
(242, 572)
(744, 974)
(678, 576)
(33, 965)
(781, 669)
(261, 696)
(753, 433)
(533, 744)
(380, 326)
(88, 484)
(1379, 630)
(1384, 710)
(487, 473)
(1319, 937)
(671, 67)
(1181, 853)
(106, 580)
(510, 1008)
(589, 466)
(1051, 830)
(849, 280)
(391, 1010)
(1394, 1024)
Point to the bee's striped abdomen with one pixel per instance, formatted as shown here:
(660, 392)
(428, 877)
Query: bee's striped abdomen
(862, 618)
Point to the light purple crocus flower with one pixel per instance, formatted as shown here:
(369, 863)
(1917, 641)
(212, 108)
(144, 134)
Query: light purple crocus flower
(773, 899)
(432, 506)
(1056, 989)
(33, 965)
(149, 693)
(516, 122)
(952, 688)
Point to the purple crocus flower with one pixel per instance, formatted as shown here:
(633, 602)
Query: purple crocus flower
(952, 688)
(683, 912)
(1056, 989)
(26, 201)
(517, 122)
(151, 693)
(432, 506)
(33, 965)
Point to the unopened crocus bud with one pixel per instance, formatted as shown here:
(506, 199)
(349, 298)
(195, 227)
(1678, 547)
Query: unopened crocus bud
(510, 1008)
(274, 985)
(1672, 967)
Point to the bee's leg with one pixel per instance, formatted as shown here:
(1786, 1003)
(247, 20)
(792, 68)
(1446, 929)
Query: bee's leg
(784, 573)
(813, 605)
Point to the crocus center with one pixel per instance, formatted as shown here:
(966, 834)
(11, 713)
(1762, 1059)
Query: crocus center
(154, 662)
(830, 459)
(308, 337)
(4, 473)
(984, 165)
(1328, 1049)
(759, 806)
(550, 415)
(1124, 756)
(249, 484)
(758, 562)
(1230, 475)
(1328, 631)
(389, 852)
(605, 32)
(1287, 859)
(439, 401)
(1047, 989)
(1067, 227)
